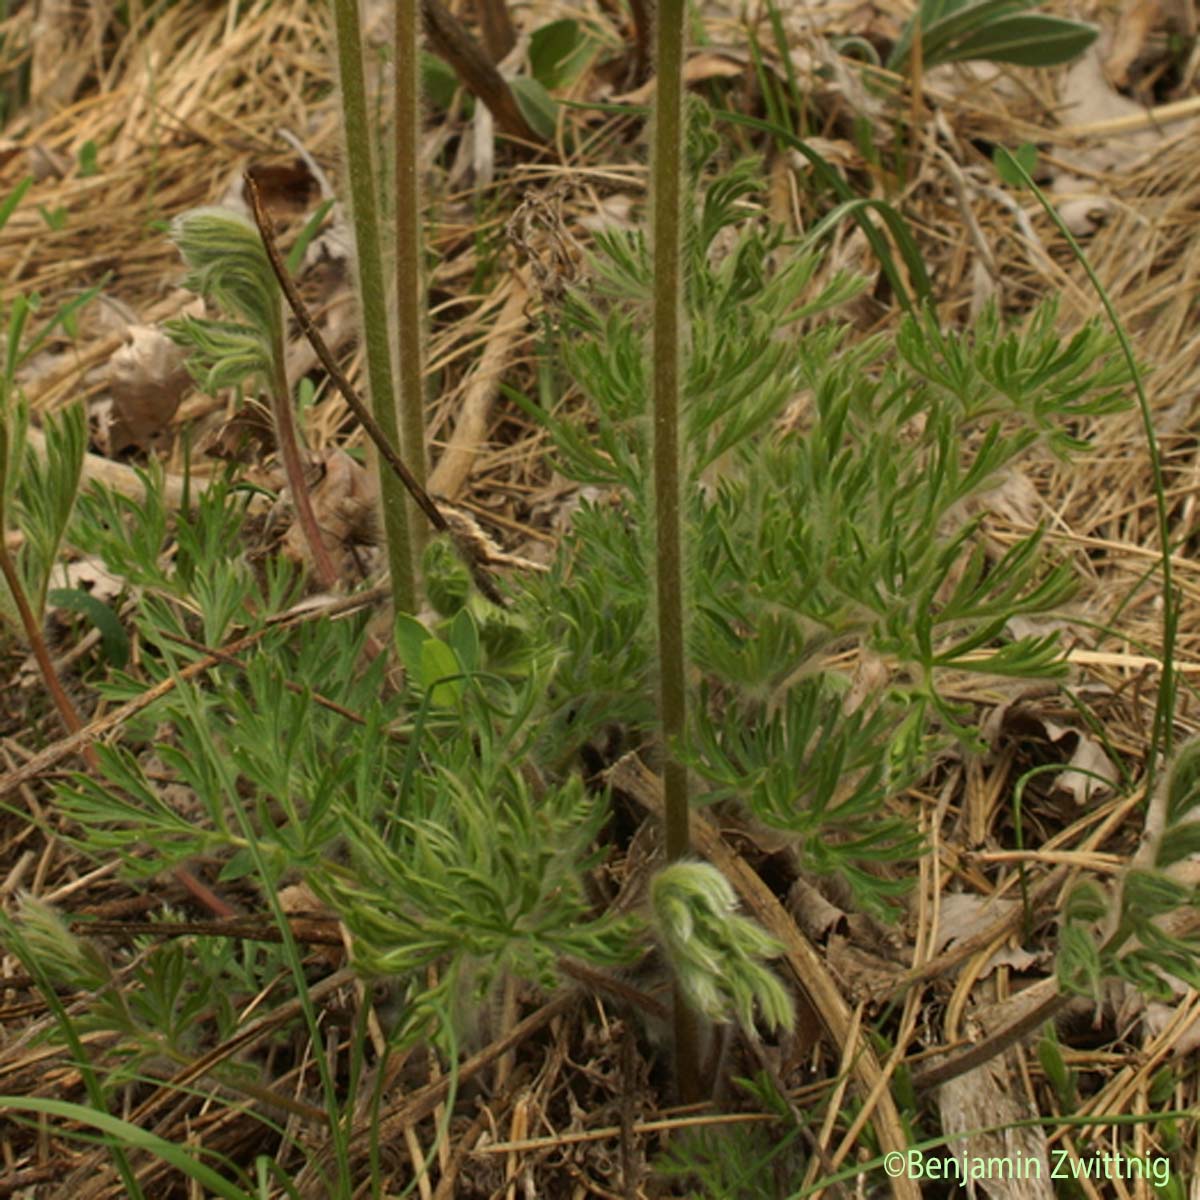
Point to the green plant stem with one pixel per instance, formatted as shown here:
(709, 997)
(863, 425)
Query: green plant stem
(83, 1060)
(73, 722)
(666, 343)
(41, 654)
(373, 296)
(410, 289)
(667, 335)
(289, 450)
(1164, 711)
(421, 498)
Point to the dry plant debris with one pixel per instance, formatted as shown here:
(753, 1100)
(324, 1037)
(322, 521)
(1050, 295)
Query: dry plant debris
(560, 1098)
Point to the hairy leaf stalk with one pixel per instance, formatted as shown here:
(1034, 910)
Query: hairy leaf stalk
(41, 653)
(288, 440)
(667, 175)
(373, 296)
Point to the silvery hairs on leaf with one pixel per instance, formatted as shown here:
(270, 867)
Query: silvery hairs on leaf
(229, 266)
(229, 263)
(716, 954)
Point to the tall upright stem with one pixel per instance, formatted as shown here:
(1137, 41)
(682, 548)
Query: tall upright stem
(668, 329)
(410, 286)
(373, 297)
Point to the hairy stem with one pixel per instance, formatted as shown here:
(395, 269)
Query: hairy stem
(289, 450)
(373, 295)
(410, 288)
(667, 175)
(41, 653)
(387, 451)
(71, 719)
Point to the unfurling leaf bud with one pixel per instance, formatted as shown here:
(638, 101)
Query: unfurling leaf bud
(716, 954)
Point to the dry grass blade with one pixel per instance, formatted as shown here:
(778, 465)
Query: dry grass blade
(173, 106)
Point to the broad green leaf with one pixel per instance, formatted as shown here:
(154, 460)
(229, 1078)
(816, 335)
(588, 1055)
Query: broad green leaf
(240, 864)
(1025, 157)
(439, 666)
(558, 52)
(113, 637)
(940, 19)
(438, 81)
(1027, 40)
(88, 164)
(9, 204)
(536, 104)
(939, 36)
(464, 638)
(410, 636)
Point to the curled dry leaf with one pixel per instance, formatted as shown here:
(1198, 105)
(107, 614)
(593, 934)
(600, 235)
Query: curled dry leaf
(709, 64)
(1087, 98)
(344, 502)
(61, 37)
(308, 915)
(90, 574)
(1136, 19)
(1159, 1017)
(1015, 498)
(836, 151)
(864, 977)
(147, 380)
(869, 681)
(287, 188)
(1090, 772)
(612, 213)
(1083, 214)
(812, 912)
(467, 531)
(962, 915)
(1087, 762)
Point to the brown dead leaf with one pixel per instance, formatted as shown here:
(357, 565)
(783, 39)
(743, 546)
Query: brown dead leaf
(1135, 21)
(61, 33)
(868, 683)
(1015, 498)
(963, 915)
(147, 380)
(1087, 762)
(864, 978)
(90, 574)
(812, 912)
(612, 212)
(1159, 1017)
(344, 502)
(249, 433)
(287, 188)
(1084, 214)
(1084, 756)
(836, 151)
(698, 68)
(1087, 98)
(308, 916)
